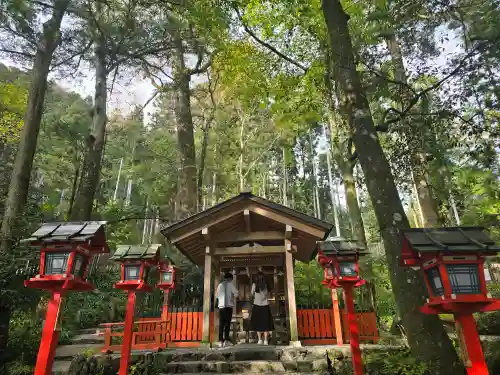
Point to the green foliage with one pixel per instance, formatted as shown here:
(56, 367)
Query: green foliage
(396, 363)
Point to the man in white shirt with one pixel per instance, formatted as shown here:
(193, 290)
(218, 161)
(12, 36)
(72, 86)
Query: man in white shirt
(226, 292)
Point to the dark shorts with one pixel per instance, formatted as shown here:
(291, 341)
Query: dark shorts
(262, 319)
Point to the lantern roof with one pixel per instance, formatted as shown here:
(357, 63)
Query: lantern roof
(341, 246)
(449, 240)
(136, 252)
(82, 231)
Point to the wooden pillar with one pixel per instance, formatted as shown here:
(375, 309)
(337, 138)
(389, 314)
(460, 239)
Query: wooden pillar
(216, 314)
(235, 305)
(275, 288)
(207, 281)
(336, 317)
(290, 286)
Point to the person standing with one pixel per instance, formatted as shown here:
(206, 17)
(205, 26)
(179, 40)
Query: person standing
(226, 292)
(262, 318)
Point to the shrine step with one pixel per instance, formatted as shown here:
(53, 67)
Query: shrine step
(234, 367)
(60, 367)
(67, 352)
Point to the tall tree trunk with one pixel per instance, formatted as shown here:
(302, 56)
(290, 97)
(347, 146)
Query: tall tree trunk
(19, 183)
(332, 193)
(285, 187)
(351, 197)
(117, 185)
(418, 159)
(74, 187)
(201, 168)
(185, 133)
(426, 336)
(91, 169)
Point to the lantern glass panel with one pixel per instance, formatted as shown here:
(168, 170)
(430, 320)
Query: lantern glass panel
(78, 265)
(132, 271)
(435, 281)
(167, 277)
(56, 263)
(348, 269)
(464, 278)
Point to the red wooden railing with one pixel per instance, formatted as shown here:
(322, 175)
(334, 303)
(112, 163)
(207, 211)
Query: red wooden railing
(184, 329)
(317, 326)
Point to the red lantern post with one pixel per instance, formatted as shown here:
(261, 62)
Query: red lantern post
(136, 263)
(339, 258)
(452, 263)
(66, 250)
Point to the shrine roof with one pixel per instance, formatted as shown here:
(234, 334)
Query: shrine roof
(453, 239)
(136, 252)
(246, 219)
(82, 231)
(341, 246)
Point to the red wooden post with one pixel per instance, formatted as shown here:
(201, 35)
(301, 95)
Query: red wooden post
(127, 333)
(357, 363)
(470, 345)
(336, 317)
(50, 336)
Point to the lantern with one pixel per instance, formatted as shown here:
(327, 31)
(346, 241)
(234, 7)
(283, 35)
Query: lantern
(65, 253)
(167, 272)
(340, 261)
(451, 261)
(339, 258)
(136, 263)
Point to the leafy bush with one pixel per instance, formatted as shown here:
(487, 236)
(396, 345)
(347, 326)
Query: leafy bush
(395, 363)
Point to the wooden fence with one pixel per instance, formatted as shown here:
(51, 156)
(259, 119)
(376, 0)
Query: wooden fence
(183, 328)
(317, 326)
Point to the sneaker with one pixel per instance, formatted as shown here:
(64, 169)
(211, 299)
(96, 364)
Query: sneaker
(260, 342)
(266, 342)
(221, 344)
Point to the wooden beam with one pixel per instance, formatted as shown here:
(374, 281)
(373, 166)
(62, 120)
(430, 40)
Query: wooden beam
(249, 236)
(180, 237)
(252, 263)
(288, 221)
(248, 224)
(224, 251)
(205, 234)
(288, 232)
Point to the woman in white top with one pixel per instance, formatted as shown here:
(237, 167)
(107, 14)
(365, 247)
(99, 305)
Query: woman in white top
(262, 319)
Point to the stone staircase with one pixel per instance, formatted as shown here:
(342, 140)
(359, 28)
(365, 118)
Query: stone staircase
(88, 341)
(241, 359)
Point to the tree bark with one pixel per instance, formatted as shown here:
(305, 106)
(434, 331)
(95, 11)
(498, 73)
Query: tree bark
(351, 197)
(19, 184)
(91, 170)
(427, 338)
(201, 168)
(185, 133)
(418, 159)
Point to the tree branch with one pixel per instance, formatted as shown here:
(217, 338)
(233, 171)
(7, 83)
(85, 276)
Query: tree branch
(20, 53)
(265, 44)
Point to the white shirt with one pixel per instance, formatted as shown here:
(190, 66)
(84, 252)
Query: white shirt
(226, 292)
(261, 298)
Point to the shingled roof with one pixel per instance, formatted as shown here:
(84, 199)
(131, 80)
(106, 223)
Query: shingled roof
(82, 231)
(453, 239)
(341, 246)
(136, 252)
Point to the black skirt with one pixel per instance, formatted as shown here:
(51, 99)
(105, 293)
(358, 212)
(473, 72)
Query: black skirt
(262, 319)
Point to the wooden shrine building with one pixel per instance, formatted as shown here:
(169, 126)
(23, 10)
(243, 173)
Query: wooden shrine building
(244, 235)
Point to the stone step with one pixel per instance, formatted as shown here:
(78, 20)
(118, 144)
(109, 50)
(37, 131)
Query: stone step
(60, 367)
(88, 338)
(234, 367)
(67, 352)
